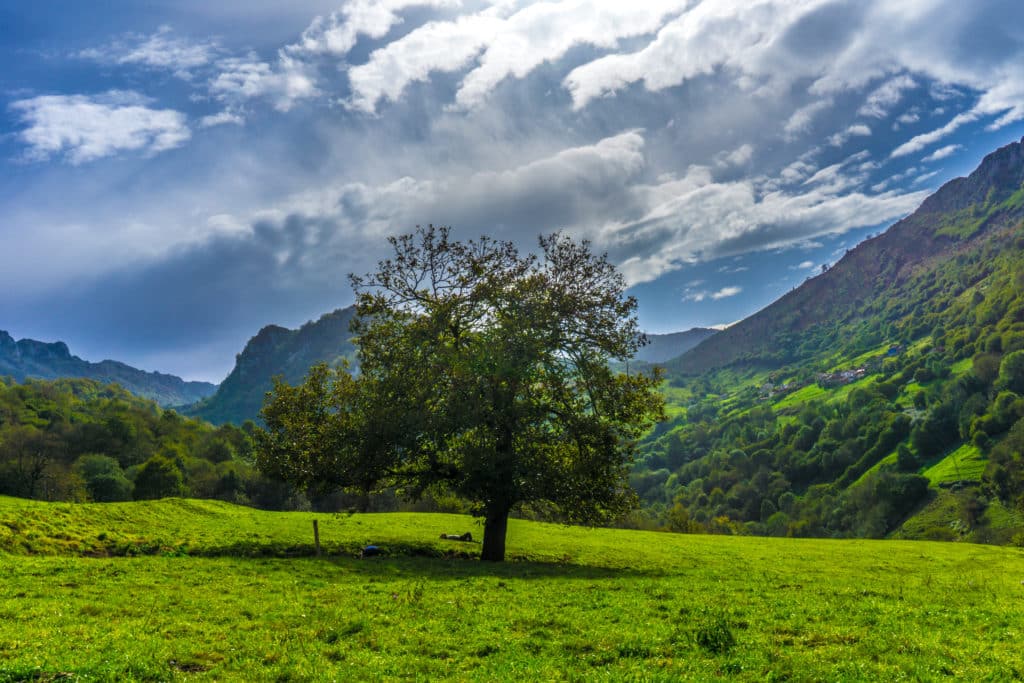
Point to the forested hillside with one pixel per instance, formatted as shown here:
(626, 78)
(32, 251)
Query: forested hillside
(79, 440)
(883, 397)
(28, 358)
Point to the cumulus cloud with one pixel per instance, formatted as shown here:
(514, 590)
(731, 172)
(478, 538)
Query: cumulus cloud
(283, 83)
(765, 46)
(502, 46)
(729, 35)
(337, 33)
(83, 128)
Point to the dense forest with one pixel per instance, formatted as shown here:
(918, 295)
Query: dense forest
(76, 439)
(79, 440)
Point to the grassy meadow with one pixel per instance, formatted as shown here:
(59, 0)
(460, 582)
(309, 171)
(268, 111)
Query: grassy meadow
(181, 590)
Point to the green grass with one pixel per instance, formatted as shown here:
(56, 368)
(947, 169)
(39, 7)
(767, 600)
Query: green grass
(801, 396)
(888, 460)
(576, 604)
(966, 463)
(961, 366)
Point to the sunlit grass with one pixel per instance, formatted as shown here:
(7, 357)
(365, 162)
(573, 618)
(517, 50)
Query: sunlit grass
(575, 603)
(966, 463)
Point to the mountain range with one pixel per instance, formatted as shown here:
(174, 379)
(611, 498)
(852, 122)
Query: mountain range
(28, 358)
(277, 351)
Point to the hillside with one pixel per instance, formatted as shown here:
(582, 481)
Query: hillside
(132, 583)
(77, 439)
(276, 351)
(664, 347)
(884, 397)
(28, 358)
(961, 214)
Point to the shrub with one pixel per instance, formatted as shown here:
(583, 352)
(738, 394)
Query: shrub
(712, 633)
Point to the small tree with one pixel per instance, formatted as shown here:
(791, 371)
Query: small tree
(104, 479)
(160, 477)
(1011, 372)
(482, 372)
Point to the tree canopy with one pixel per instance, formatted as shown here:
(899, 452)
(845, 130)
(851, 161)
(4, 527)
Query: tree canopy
(482, 372)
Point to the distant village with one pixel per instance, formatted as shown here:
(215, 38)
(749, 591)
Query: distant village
(829, 380)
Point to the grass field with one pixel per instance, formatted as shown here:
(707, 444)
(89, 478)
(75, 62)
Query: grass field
(212, 593)
(966, 463)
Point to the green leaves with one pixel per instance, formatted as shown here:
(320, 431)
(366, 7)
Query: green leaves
(483, 372)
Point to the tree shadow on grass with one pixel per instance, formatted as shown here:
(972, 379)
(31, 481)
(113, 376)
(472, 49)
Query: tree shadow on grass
(400, 559)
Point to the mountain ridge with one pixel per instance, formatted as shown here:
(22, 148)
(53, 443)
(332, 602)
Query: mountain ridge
(273, 351)
(29, 358)
(874, 266)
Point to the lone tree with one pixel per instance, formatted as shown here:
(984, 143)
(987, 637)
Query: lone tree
(482, 372)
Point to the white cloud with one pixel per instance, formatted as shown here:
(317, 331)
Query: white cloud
(284, 83)
(741, 156)
(702, 295)
(800, 121)
(726, 292)
(437, 46)
(907, 118)
(701, 219)
(858, 129)
(885, 96)
(84, 128)
(161, 50)
(737, 35)
(221, 118)
(503, 46)
(919, 142)
(942, 153)
(338, 32)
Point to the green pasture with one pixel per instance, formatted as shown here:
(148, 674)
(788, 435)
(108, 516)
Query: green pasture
(190, 590)
(966, 463)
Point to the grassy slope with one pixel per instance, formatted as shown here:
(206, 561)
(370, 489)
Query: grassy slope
(579, 603)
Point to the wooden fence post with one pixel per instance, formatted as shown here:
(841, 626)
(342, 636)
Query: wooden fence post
(316, 537)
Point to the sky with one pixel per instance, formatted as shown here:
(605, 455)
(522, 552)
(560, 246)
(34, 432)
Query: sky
(176, 174)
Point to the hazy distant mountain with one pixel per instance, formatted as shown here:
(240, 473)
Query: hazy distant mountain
(30, 358)
(663, 347)
(275, 351)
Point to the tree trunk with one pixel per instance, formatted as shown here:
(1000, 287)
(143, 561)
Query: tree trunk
(495, 528)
